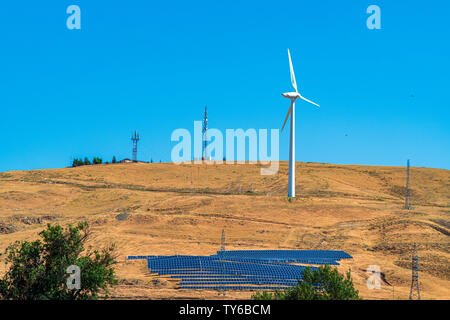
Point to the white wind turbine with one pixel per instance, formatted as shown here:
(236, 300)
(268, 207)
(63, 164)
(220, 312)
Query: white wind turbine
(292, 96)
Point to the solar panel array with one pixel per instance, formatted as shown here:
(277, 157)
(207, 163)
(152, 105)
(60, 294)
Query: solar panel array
(241, 269)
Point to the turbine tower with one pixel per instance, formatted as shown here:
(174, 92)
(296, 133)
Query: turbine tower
(292, 96)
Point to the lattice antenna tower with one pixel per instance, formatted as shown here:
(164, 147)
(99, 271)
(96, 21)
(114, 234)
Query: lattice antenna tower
(204, 130)
(408, 190)
(135, 139)
(415, 290)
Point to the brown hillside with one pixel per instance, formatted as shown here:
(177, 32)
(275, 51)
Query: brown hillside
(181, 209)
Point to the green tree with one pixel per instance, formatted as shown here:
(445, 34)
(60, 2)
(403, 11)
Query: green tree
(37, 270)
(77, 162)
(324, 283)
(97, 160)
(86, 161)
(114, 159)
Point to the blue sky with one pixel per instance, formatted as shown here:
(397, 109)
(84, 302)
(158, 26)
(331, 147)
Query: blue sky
(153, 65)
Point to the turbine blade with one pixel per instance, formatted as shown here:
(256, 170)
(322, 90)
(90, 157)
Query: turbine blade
(287, 116)
(309, 101)
(294, 83)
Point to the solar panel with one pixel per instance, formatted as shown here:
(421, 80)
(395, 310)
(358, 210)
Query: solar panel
(240, 269)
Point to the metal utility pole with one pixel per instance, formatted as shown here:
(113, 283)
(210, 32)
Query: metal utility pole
(408, 190)
(206, 174)
(414, 276)
(222, 249)
(192, 181)
(222, 241)
(135, 139)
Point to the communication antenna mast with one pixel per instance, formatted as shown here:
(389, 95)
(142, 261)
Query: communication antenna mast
(135, 139)
(408, 190)
(204, 129)
(414, 275)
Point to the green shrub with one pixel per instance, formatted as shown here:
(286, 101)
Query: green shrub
(324, 283)
(37, 270)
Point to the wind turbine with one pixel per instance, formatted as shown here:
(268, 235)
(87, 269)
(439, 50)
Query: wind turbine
(292, 96)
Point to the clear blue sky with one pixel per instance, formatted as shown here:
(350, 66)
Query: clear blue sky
(153, 65)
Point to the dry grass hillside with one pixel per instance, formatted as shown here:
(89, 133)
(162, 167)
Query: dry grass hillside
(181, 209)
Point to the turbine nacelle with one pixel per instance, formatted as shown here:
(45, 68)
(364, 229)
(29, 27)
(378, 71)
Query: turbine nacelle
(291, 95)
